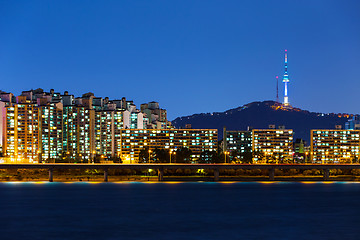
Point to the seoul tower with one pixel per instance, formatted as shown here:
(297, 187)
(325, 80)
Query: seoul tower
(286, 80)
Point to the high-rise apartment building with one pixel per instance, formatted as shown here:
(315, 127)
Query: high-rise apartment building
(334, 146)
(259, 143)
(108, 124)
(44, 126)
(156, 116)
(21, 129)
(51, 130)
(197, 140)
(277, 143)
(238, 142)
(78, 132)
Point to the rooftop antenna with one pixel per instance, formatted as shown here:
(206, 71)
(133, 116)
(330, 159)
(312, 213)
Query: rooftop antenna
(277, 89)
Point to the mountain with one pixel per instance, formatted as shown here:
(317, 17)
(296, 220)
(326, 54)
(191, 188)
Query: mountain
(261, 115)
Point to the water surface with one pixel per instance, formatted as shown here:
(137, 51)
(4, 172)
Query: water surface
(180, 210)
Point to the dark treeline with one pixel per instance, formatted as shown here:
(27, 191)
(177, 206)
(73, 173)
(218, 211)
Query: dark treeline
(128, 174)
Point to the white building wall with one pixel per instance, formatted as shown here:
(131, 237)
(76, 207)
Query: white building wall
(126, 119)
(140, 121)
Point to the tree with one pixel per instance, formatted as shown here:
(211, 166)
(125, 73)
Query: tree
(65, 157)
(115, 159)
(183, 155)
(219, 157)
(270, 159)
(161, 155)
(235, 156)
(78, 158)
(243, 156)
(285, 159)
(206, 156)
(144, 155)
(258, 155)
(97, 158)
(247, 157)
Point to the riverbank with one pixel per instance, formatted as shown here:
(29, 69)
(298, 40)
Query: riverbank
(83, 178)
(186, 175)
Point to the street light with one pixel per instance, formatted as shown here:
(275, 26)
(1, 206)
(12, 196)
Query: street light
(170, 152)
(149, 154)
(326, 159)
(225, 153)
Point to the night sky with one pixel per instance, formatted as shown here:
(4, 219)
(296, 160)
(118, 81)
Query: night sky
(191, 56)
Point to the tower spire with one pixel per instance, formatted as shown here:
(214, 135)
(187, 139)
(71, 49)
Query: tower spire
(286, 80)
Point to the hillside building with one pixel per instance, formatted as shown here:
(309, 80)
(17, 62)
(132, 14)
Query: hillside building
(353, 123)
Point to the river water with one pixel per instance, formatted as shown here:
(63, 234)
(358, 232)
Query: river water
(257, 210)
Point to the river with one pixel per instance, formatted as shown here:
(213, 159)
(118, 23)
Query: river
(254, 210)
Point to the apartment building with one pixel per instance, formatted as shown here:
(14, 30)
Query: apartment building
(277, 143)
(197, 140)
(334, 146)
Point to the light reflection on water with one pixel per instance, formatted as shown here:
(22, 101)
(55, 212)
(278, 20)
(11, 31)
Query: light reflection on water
(179, 210)
(174, 182)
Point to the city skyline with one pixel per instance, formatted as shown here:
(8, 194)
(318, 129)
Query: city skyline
(183, 55)
(184, 119)
(41, 126)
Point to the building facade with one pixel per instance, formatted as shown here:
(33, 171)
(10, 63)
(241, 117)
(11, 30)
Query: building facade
(51, 130)
(107, 132)
(78, 132)
(272, 143)
(197, 140)
(238, 144)
(353, 123)
(43, 126)
(156, 116)
(21, 131)
(259, 144)
(240, 141)
(334, 146)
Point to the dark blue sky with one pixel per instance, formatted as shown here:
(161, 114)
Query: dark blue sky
(191, 56)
